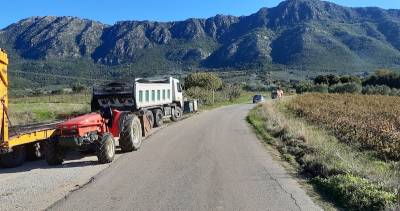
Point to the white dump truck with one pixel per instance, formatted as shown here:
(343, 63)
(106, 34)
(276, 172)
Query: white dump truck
(155, 98)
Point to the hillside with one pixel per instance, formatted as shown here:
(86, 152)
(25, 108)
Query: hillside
(307, 35)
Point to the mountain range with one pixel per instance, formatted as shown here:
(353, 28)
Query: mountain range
(308, 35)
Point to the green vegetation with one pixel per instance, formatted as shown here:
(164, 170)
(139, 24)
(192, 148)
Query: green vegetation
(352, 178)
(354, 192)
(47, 108)
(384, 77)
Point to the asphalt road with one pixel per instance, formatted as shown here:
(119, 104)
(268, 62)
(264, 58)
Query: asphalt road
(211, 161)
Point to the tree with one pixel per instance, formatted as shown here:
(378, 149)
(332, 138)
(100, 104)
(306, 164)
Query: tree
(321, 79)
(327, 79)
(205, 80)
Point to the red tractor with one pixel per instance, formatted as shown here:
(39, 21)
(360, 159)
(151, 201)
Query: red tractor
(96, 132)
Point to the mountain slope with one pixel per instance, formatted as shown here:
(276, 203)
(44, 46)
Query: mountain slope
(299, 34)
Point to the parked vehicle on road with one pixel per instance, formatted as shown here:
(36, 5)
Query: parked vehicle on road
(120, 111)
(258, 99)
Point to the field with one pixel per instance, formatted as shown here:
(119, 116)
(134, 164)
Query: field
(47, 108)
(371, 122)
(340, 166)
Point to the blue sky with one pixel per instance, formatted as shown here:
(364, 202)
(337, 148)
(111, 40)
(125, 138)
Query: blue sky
(110, 11)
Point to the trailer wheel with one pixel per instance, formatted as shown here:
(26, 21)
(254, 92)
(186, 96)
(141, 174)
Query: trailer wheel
(15, 158)
(105, 149)
(52, 153)
(177, 114)
(131, 134)
(149, 115)
(158, 118)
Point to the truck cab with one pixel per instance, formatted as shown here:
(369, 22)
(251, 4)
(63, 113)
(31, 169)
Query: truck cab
(177, 94)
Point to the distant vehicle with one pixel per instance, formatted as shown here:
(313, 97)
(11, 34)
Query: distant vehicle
(274, 94)
(258, 99)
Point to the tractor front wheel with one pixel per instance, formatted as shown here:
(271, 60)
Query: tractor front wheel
(52, 153)
(105, 149)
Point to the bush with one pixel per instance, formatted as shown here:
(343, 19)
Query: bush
(321, 88)
(231, 91)
(380, 90)
(384, 77)
(204, 95)
(304, 87)
(346, 88)
(355, 193)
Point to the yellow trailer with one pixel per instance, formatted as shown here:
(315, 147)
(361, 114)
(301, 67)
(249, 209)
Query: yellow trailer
(20, 142)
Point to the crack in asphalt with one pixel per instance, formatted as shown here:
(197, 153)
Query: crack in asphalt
(284, 190)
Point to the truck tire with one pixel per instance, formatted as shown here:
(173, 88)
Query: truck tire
(13, 159)
(149, 115)
(158, 118)
(105, 149)
(131, 134)
(52, 153)
(177, 114)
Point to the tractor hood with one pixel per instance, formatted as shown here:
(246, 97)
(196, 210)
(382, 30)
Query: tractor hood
(86, 120)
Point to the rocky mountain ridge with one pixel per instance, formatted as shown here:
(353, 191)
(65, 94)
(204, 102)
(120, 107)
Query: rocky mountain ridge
(302, 34)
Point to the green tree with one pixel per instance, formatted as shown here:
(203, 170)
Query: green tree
(205, 80)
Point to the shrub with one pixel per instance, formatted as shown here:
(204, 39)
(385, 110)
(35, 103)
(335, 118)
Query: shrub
(355, 193)
(380, 90)
(384, 77)
(205, 96)
(304, 87)
(322, 88)
(232, 91)
(346, 88)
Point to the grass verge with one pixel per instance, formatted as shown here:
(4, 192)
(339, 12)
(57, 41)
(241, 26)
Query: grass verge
(350, 178)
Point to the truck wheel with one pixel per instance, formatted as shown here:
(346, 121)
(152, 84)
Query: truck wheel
(158, 118)
(131, 134)
(149, 115)
(15, 158)
(52, 153)
(177, 115)
(105, 149)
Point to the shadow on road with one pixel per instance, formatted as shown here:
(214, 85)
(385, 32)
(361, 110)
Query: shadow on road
(72, 160)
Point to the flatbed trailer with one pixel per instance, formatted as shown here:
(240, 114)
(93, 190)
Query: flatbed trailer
(17, 143)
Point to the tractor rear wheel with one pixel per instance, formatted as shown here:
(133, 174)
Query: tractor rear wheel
(149, 115)
(158, 118)
(131, 134)
(177, 114)
(52, 153)
(15, 158)
(105, 149)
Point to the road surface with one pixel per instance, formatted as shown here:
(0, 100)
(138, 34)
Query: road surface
(211, 161)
